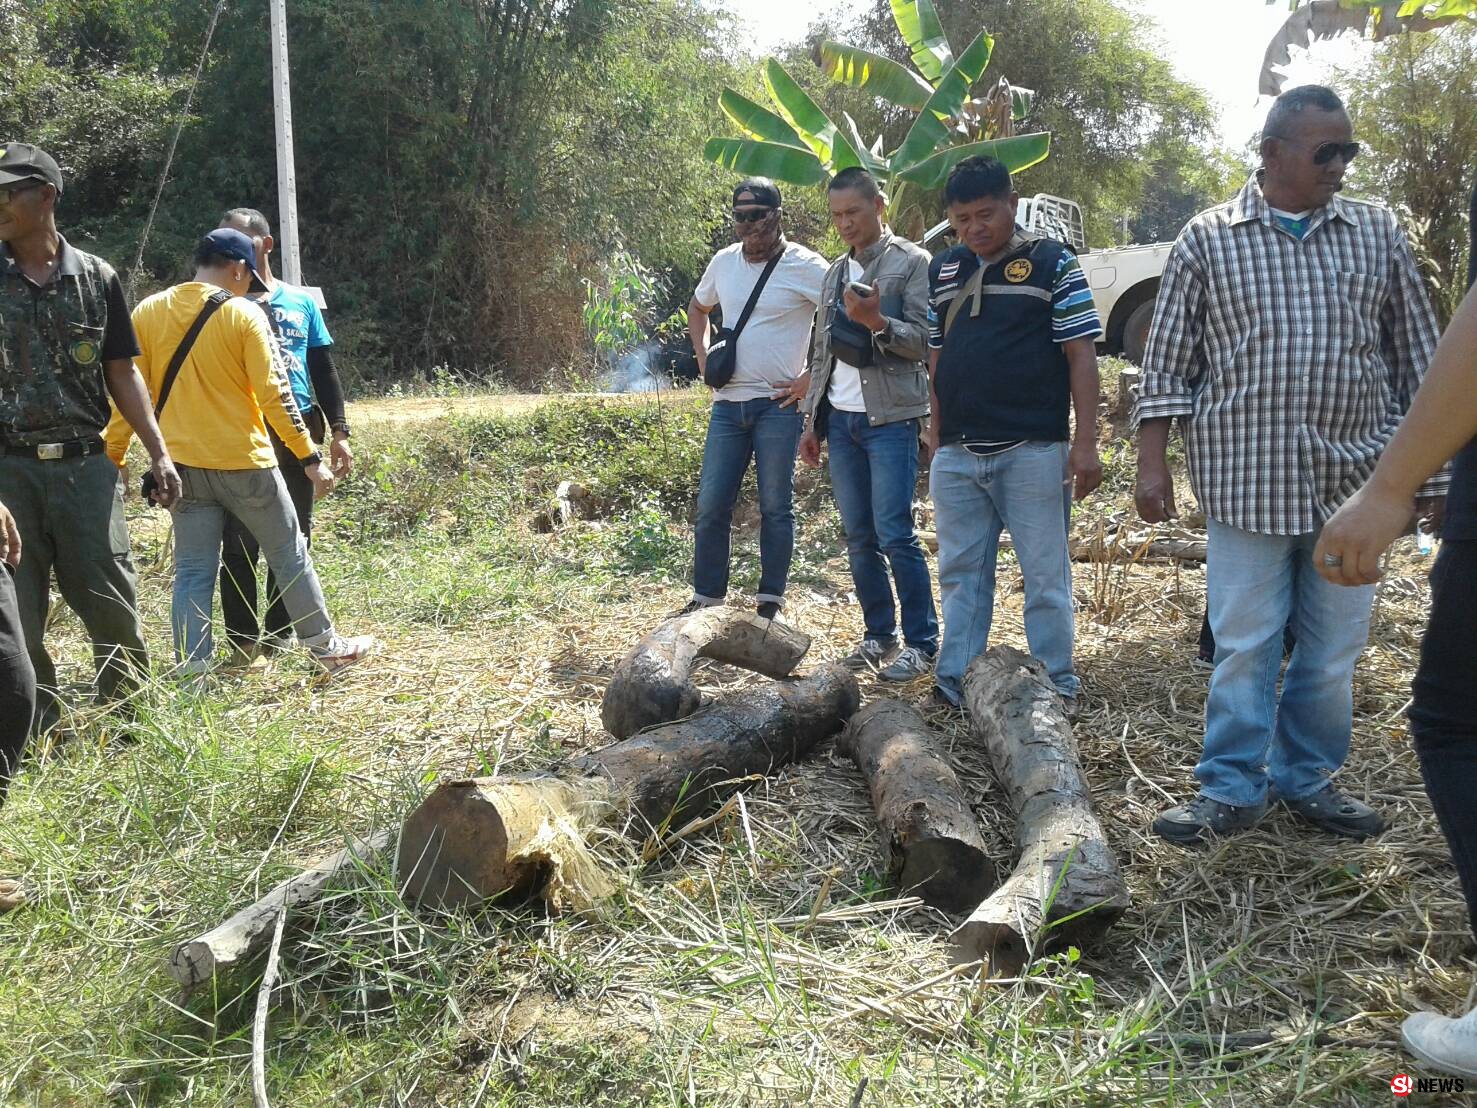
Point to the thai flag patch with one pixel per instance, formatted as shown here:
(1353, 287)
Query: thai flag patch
(949, 270)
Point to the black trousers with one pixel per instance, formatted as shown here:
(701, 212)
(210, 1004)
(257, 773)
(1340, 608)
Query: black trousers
(239, 551)
(17, 683)
(1443, 722)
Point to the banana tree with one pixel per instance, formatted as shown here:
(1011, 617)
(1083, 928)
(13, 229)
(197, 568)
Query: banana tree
(799, 144)
(1320, 19)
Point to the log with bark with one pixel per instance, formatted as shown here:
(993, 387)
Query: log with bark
(1066, 887)
(653, 683)
(478, 838)
(1136, 548)
(932, 835)
(249, 931)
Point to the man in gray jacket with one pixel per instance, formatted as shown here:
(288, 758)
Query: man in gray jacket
(868, 392)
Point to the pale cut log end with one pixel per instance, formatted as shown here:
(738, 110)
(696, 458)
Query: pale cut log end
(473, 840)
(192, 963)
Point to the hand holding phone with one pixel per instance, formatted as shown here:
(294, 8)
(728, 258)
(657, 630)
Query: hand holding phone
(864, 291)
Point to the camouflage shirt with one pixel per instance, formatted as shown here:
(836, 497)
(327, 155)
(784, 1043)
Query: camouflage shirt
(54, 340)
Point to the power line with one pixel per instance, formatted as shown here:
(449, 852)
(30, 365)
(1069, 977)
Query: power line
(143, 241)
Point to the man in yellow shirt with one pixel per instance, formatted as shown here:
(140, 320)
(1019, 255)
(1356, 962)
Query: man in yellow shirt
(214, 420)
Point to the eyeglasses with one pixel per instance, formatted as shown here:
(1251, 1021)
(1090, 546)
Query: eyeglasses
(752, 215)
(9, 194)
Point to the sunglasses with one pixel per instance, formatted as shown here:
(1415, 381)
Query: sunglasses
(753, 215)
(9, 194)
(1325, 152)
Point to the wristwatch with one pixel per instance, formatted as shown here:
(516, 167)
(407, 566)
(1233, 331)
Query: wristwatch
(884, 335)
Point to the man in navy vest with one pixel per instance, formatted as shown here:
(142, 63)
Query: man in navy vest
(1012, 330)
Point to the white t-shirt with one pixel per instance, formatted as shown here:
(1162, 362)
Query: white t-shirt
(845, 391)
(773, 346)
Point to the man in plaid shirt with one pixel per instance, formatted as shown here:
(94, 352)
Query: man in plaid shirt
(1290, 335)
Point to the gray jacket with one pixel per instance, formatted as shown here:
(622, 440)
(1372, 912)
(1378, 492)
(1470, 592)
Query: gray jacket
(895, 385)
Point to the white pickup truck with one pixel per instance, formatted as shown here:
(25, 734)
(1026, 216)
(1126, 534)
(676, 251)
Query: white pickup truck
(1124, 279)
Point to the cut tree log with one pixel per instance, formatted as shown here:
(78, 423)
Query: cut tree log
(1066, 887)
(933, 838)
(1133, 549)
(478, 838)
(653, 684)
(249, 931)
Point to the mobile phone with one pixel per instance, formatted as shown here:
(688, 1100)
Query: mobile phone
(860, 289)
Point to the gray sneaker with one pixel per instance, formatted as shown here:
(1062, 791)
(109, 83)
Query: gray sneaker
(1337, 812)
(1198, 820)
(870, 656)
(909, 663)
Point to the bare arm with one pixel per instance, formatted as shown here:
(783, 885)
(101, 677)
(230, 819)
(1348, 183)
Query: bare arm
(698, 327)
(1154, 495)
(1084, 468)
(131, 397)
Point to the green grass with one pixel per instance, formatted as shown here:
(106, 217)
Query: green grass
(704, 980)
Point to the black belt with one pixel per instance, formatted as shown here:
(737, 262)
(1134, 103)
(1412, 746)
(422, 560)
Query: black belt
(56, 451)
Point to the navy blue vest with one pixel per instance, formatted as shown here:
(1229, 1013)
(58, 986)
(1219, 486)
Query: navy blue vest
(1001, 375)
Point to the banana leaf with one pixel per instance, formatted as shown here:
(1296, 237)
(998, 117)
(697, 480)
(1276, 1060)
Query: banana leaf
(850, 65)
(792, 164)
(929, 131)
(1017, 153)
(813, 125)
(918, 22)
(755, 121)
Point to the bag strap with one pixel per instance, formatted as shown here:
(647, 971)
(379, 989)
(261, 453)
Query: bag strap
(974, 287)
(213, 303)
(754, 296)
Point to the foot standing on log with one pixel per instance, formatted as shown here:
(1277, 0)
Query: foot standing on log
(1291, 334)
(1005, 381)
(768, 289)
(868, 395)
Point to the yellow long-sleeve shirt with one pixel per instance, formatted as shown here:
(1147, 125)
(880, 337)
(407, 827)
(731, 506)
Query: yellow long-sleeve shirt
(228, 383)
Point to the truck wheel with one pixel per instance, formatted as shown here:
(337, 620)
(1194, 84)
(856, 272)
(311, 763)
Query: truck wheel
(1136, 332)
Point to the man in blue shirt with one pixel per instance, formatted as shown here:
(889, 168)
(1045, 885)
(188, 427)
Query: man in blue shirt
(1012, 355)
(305, 344)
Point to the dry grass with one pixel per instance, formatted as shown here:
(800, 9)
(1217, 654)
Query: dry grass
(764, 959)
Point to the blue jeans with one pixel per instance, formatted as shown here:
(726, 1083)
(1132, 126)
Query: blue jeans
(1256, 585)
(737, 431)
(873, 471)
(258, 498)
(974, 499)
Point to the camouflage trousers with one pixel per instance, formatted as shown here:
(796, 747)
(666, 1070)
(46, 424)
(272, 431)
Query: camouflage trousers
(70, 516)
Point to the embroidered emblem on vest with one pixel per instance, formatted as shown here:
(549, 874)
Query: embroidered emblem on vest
(84, 352)
(1018, 270)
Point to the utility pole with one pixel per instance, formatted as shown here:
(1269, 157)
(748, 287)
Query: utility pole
(287, 245)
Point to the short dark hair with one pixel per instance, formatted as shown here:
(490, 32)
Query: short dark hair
(975, 178)
(252, 218)
(205, 256)
(1293, 102)
(855, 177)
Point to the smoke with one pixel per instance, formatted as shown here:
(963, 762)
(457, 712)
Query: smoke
(636, 371)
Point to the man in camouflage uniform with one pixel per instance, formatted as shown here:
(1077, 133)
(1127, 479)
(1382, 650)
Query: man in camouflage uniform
(66, 346)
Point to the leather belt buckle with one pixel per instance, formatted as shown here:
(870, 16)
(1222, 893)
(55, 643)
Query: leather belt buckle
(51, 451)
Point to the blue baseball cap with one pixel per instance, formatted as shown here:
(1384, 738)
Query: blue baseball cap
(231, 243)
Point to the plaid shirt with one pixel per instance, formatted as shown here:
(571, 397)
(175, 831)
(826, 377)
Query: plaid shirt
(1291, 362)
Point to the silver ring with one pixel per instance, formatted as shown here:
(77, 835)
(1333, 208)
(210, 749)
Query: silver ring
(1333, 561)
